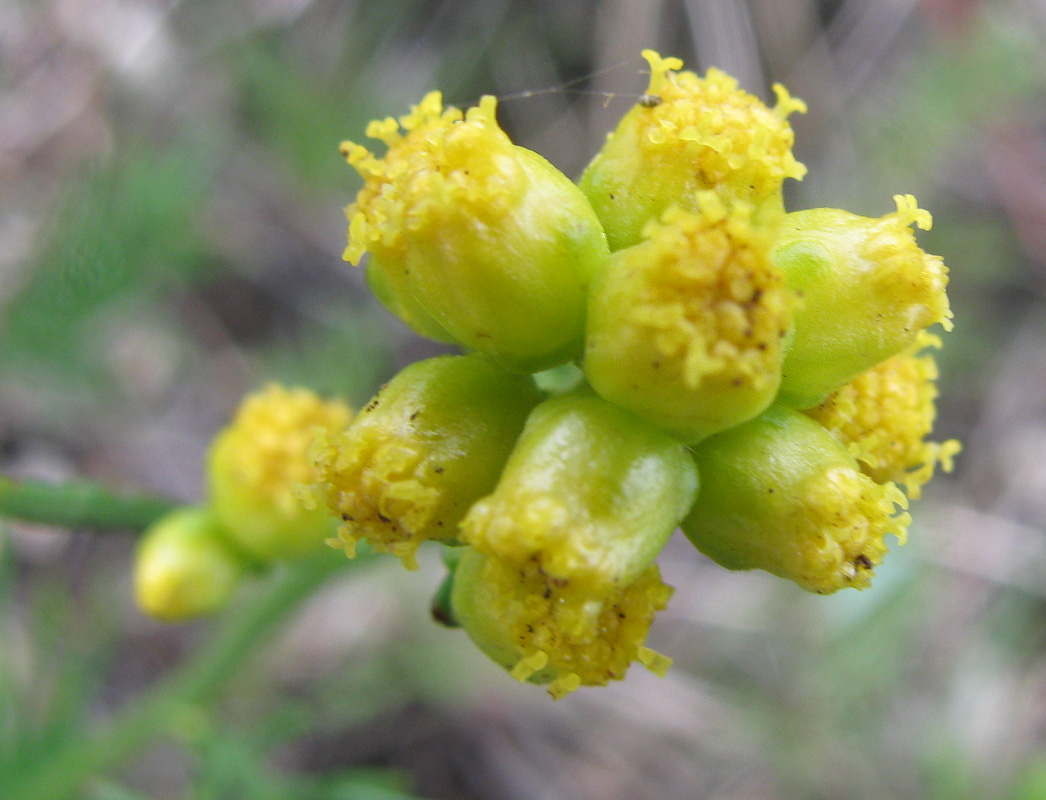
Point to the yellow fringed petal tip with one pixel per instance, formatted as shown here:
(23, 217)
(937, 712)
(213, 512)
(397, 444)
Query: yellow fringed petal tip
(373, 481)
(884, 415)
(902, 263)
(257, 466)
(787, 105)
(437, 158)
(417, 456)
(660, 68)
(691, 134)
(545, 633)
(853, 515)
(686, 329)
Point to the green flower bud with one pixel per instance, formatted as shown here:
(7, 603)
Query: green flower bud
(865, 290)
(185, 567)
(422, 451)
(520, 618)
(686, 136)
(782, 495)
(686, 329)
(257, 466)
(484, 238)
(590, 495)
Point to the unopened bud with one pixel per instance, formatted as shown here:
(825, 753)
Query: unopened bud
(185, 567)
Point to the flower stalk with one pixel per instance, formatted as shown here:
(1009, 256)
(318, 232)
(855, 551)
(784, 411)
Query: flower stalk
(80, 505)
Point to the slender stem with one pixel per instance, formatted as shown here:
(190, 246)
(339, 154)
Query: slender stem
(65, 771)
(79, 504)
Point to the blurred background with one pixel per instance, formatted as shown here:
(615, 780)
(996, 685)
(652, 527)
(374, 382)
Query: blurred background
(171, 226)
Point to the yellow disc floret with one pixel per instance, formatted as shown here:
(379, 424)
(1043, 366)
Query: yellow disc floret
(472, 238)
(686, 329)
(591, 492)
(258, 464)
(421, 452)
(700, 134)
(782, 495)
(521, 617)
(884, 415)
(866, 291)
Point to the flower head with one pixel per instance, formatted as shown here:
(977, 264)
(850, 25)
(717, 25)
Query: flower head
(687, 328)
(520, 617)
(258, 464)
(590, 494)
(782, 495)
(866, 291)
(681, 322)
(703, 134)
(421, 452)
(474, 238)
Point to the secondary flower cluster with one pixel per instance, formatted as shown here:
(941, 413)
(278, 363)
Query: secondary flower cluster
(662, 319)
(190, 562)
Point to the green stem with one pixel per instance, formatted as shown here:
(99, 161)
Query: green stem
(65, 771)
(79, 504)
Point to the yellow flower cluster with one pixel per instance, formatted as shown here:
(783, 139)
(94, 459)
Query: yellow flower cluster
(706, 335)
(190, 562)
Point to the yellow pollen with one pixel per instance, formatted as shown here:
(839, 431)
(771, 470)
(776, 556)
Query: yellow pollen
(712, 300)
(431, 165)
(569, 640)
(885, 414)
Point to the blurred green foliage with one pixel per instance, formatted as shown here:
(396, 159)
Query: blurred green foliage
(128, 232)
